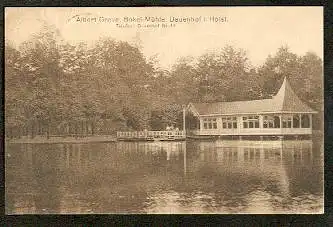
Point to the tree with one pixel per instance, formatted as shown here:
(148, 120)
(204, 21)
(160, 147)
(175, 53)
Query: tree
(184, 82)
(220, 72)
(40, 72)
(284, 63)
(305, 74)
(14, 94)
(55, 87)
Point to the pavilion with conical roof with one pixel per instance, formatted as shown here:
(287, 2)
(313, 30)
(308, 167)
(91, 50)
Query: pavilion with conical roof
(283, 114)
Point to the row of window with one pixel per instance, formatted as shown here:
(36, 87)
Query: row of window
(253, 122)
(287, 121)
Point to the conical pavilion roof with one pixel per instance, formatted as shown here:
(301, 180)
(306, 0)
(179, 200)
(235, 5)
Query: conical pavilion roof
(288, 100)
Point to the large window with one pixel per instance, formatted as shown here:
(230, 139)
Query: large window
(268, 122)
(296, 121)
(251, 122)
(305, 119)
(229, 122)
(286, 121)
(209, 123)
(271, 122)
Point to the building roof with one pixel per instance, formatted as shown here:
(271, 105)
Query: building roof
(284, 101)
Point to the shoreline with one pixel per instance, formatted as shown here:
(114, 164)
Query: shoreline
(60, 139)
(88, 139)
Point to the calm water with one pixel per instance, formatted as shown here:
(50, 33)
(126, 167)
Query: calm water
(165, 177)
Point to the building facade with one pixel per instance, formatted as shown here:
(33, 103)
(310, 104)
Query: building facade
(283, 114)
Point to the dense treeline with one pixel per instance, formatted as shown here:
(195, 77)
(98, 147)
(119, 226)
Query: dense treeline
(52, 87)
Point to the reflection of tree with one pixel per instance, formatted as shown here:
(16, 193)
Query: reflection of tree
(13, 175)
(262, 168)
(19, 178)
(117, 180)
(46, 191)
(304, 167)
(127, 177)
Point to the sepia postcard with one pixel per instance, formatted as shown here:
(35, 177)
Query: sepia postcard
(164, 110)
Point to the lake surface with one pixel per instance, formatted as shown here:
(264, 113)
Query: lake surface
(165, 177)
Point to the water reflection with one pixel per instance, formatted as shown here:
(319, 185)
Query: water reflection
(165, 177)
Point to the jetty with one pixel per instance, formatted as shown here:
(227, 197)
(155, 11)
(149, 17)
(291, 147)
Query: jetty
(151, 135)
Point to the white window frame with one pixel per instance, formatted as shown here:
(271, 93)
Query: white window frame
(287, 121)
(210, 123)
(229, 122)
(251, 120)
(269, 121)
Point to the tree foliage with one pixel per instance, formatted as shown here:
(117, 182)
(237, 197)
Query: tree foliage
(56, 87)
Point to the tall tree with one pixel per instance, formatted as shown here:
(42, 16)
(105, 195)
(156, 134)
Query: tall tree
(40, 59)
(15, 98)
(284, 63)
(220, 72)
(305, 76)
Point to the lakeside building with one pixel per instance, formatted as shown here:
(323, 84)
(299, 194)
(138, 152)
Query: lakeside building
(282, 115)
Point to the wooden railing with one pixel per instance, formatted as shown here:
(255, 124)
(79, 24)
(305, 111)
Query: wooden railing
(151, 134)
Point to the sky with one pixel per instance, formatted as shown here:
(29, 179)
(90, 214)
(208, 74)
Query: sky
(260, 31)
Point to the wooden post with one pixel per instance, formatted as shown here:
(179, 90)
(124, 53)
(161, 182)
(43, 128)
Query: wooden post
(76, 129)
(184, 118)
(281, 152)
(32, 130)
(301, 152)
(79, 156)
(48, 131)
(292, 155)
(67, 157)
(92, 127)
(87, 128)
(184, 158)
(292, 121)
(261, 121)
(262, 155)
(201, 126)
(280, 116)
(82, 129)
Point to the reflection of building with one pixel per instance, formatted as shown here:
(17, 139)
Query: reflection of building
(284, 114)
(238, 151)
(233, 176)
(262, 160)
(171, 149)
